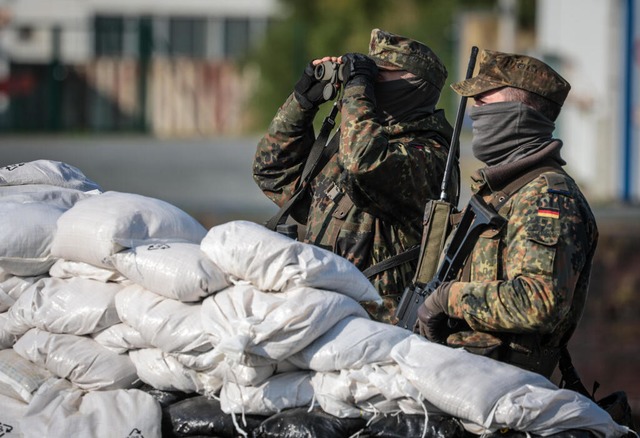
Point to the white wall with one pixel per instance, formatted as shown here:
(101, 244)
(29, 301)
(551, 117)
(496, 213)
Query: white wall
(588, 38)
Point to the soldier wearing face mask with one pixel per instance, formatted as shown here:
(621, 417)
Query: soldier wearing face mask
(368, 201)
(523, 287)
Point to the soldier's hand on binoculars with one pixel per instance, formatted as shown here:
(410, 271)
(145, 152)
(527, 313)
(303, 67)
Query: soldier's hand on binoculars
(358, 69)
(309, 90)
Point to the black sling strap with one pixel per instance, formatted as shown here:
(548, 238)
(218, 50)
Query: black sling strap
(321, 152)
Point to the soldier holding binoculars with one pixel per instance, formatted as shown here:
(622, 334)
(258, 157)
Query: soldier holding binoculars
(366, 204)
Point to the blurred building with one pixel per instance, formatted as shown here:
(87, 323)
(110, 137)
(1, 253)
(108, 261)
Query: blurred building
(156, 66)
(595, 45)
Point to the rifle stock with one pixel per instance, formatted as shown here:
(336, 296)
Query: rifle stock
(478, 216)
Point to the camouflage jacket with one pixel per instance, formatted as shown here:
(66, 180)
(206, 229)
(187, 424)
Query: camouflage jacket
(525, 286)
(387, 172)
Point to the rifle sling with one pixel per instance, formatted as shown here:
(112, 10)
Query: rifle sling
(393, 261)
(320, 154)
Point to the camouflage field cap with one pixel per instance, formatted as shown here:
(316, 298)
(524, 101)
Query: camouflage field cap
(395, 52)
(497, 70)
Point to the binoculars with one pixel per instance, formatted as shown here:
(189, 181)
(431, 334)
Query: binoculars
(332, 73)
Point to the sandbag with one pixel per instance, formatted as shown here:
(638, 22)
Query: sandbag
(170, 325)
(76, 306)
(49, 172)
(19, 377)
(7, 337)
(120, 338)
(59, 409)
(487, 394)
(303, 423)
(11, 287)
(160, 370)
(95, 228)
(27, 231)
(177, 270)
(68, 269)
(277, 393)
(273, 262)
(242, 319)
(367, 392)
(79, 359)
(203, 416)
(413, 425)
(44, 193)
(350, 343)
(10, 415)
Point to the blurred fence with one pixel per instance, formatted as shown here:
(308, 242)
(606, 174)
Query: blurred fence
(181, 97)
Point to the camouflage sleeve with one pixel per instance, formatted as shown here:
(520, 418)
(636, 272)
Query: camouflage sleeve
(281, 154)
(543, 253)
(387, 179)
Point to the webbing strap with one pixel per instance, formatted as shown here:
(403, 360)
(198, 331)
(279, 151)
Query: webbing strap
(319, 155)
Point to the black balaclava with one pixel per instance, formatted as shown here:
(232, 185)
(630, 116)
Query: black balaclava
(405, 100)
(504, 132)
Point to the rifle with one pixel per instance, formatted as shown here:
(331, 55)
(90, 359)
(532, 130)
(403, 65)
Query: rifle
(436, 220)
(478, 216)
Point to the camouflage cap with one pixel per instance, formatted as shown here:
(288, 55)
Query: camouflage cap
(497, 70)
(395, 52)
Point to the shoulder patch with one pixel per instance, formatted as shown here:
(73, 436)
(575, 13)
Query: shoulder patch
(556, 183)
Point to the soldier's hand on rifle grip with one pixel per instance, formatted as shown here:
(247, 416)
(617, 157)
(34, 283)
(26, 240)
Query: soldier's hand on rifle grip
(432, 315)
(309, 90)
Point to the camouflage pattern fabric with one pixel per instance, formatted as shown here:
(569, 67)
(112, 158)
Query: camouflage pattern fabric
(498, 69)
(528, 282)
(395, 52)
(389, 172)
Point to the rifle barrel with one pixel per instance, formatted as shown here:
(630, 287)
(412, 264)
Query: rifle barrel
(454, 146)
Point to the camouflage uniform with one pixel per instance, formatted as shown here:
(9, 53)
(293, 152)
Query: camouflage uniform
(524, 287)
(388, 172)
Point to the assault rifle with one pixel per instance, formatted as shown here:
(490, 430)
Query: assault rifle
(478, 216)
(436, 229)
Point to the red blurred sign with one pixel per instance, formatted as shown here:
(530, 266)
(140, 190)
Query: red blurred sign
(16, 85)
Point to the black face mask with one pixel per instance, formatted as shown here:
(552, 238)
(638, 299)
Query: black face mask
(404, 100)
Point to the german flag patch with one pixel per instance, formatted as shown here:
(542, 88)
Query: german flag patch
(553, 213)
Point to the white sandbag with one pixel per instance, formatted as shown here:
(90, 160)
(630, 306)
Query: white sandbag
(10, 415)
(279, 392)
(368, 391)
(350, 344)
(19, 377)
(27, 231)
(69, 269)
(76, 306)
(242, 319)
(79, 359)
(43, 193)
(61, 410)
(11, 287)
(546, 411)
(167, 324)
(163, 372)
(216, 364)
(7, 337)
(492, 394)
(50, 172)
(98, 227)
(460, 383)
(121, 338)
(273, 262)
(178, 270)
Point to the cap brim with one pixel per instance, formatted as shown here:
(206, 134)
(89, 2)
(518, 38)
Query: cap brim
(476, 85)
(385, 65)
